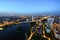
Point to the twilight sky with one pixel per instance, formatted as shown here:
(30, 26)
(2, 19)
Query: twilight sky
(29, 6)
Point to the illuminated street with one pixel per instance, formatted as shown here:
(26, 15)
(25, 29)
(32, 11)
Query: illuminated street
(45, 28)
(29, 19)
(46, 32)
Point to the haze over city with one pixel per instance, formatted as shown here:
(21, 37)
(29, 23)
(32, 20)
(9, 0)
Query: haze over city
(29, 19)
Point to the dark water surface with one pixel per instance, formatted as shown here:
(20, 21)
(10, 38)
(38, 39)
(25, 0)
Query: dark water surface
(14, 32)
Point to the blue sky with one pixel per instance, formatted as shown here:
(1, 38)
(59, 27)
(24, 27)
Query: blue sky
(29, 6)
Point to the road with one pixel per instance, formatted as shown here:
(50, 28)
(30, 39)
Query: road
(11, 34)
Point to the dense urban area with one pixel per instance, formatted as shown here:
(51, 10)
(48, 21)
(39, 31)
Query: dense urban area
(30, 27)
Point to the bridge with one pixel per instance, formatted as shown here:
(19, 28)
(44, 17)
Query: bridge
(28, 22)
(8, 23)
